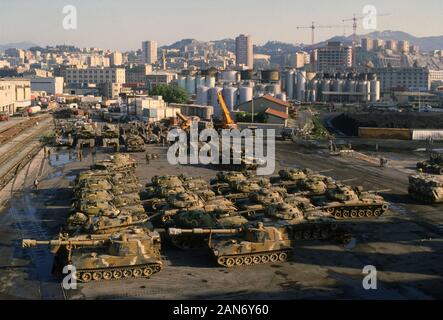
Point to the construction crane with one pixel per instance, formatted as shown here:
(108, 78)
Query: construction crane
(186, 122)
(354, 33)
(228, 123)
(314, 26)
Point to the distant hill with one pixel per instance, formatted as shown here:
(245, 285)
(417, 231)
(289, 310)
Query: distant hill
(425, 43)
(19, 45)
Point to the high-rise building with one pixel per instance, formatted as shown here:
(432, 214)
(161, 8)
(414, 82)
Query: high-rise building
(244, 51)
(403, 46)
(335, 56)
(367, 44)
(149, 49)
(392, 45)
(116, 59)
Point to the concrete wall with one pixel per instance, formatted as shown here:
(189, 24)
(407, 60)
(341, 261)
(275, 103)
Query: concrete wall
(385, 133)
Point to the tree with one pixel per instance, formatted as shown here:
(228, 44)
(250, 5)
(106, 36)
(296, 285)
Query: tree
(170, 93)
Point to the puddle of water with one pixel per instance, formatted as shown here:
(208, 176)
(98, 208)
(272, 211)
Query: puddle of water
(351, 244)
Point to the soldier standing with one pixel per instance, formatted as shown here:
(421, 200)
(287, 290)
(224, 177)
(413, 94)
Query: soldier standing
(148, 158)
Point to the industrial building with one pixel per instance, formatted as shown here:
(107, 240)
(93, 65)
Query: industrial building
(405, 79)
(15, 94)
(273, 107)
(95, 75)
(153, 109)
(50, 85)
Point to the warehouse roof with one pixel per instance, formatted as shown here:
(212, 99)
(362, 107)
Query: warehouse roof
(277, 101)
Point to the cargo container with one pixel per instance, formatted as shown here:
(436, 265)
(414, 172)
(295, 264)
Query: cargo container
(385, 133)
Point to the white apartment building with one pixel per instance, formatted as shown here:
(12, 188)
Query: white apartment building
(14, 94)
(116, 59)
(149, 49)
(95, 75)
(244, 51)
(436, 75)
(409, 79)
(51, 85)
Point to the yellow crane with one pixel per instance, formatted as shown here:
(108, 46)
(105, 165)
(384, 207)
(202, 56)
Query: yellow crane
(228, 123)
(186, 122)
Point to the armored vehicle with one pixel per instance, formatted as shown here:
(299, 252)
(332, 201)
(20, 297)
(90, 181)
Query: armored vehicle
(93, 208)
(222, 183)
(130, 253)
(434, 165)
(117, 162)
(308, 225)
(344, 202)
(110, 131)
(426, 188)
(242, 189)
(259, 200)
(250, 245)
(134, 143)
(85, 131)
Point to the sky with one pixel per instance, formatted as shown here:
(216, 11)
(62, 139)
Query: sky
(124, 24)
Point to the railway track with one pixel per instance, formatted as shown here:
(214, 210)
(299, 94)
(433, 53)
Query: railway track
(15, 130)
(31, 148)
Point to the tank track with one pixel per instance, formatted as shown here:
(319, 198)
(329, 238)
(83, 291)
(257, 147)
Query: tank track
(423, 198)
(316, 232)
(118, 273)
(246, 260)
(357, 212)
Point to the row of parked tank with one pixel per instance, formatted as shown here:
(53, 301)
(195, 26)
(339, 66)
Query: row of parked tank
(427, 186)
(133, 135)
(107, 235)
(113, 231)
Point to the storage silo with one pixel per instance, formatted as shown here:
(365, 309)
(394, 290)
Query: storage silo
(190, 85)
(181, 82)
(202, 96)
(375, 91)
(245, 94)
(270, 76)
(213, 96)
(281, 96)
(289, 84)
(210, 81)
(301, 85)
(230, 96)
(229, 76)
(199, 81)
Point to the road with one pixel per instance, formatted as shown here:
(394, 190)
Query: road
(405, 246)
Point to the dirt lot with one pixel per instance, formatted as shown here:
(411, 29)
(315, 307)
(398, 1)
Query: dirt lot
(405, 246)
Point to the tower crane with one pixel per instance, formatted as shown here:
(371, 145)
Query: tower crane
(354, 20)
(313, 27)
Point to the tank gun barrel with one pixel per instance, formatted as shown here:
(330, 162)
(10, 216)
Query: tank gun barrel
(379, 191)
(29, 243)
(177, 232)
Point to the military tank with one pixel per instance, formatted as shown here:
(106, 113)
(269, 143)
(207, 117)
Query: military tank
(117, 162)
(247, 246)
(427, 189)
(85, 131)
(432, 166)
(241, 190)
(259, 200)
(221, 184)
(289, 179)
(130, 253)
(306, 225)
(345, 202)
(93, 208)
(134, 143)
(110, 131)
